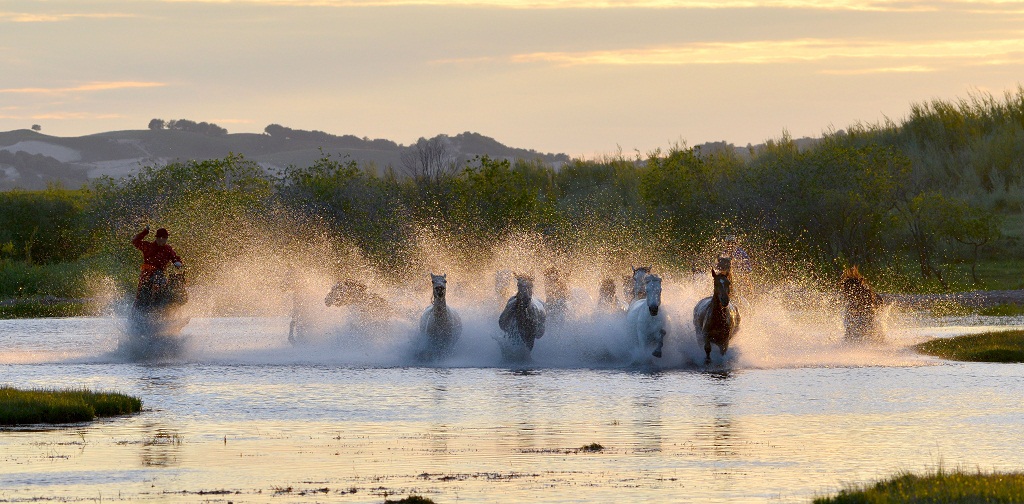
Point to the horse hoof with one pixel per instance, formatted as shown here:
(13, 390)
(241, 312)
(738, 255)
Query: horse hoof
(657, 353)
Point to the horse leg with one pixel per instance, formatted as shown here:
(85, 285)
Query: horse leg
(723, 348)
(707, 350)
(661, 343)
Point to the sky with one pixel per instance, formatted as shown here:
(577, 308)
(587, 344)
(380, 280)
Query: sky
(583, 77)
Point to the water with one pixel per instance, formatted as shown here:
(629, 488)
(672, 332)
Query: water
(243, 416)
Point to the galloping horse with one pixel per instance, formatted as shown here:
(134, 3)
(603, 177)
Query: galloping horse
(715, 320)
(646, 320)
(369, 306)
(556, 296)
(606, 299)
(860, 308)
(440, 324)
(634, 286)
(522, 320)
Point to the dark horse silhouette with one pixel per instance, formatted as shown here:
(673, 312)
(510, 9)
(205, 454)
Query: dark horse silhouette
(861, 305)
(157, 318)
(714, 318)
(439, 324)
(522, 320)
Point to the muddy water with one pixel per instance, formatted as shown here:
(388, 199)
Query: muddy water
(245, 417)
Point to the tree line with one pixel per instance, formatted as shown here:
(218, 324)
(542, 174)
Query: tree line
(905, 201)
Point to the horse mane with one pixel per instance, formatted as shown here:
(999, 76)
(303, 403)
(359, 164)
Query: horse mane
(853, 281)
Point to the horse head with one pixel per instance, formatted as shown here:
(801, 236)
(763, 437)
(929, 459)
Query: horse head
(440, 283)
(524, 287)
(652, 284)
(346, 292)
(856, 290)
(723, 286)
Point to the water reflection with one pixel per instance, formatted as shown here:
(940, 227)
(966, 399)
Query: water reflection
(161, 446)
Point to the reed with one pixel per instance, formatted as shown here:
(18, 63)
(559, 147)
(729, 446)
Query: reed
(412, 499)
(938, 487)
(18, 407)
(1001, 346)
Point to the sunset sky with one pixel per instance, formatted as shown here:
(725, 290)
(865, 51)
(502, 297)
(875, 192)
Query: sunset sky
(581, 77)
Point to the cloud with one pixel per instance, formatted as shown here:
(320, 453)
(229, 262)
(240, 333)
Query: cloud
(867, 71)
(790, 51)
(84, 88)
(74, 116)
(36, 17)
(851, 5)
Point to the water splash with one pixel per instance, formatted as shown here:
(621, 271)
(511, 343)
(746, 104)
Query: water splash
(244, 311)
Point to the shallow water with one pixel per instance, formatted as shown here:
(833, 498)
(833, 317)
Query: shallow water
(243, 416)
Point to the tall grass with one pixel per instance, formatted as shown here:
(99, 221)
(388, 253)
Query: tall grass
(938, 487)
(1004, 346)
(18, 407)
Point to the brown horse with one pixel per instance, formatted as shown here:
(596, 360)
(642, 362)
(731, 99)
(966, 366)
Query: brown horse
(861, 305)
(714, 318)
(368, 306)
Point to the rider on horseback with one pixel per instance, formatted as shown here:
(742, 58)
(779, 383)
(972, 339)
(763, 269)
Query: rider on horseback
(156, 255)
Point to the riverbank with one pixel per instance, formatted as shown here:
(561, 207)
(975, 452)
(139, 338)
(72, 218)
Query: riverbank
(978, 300)
(940, 486)
(1003, 346)
(48, 307)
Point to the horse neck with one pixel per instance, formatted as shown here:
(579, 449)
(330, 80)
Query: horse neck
(440, 304)
(717, 307)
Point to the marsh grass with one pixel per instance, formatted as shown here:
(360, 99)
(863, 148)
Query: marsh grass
(1003, 346)
(939, 487)
(18, 407)
(412, 499)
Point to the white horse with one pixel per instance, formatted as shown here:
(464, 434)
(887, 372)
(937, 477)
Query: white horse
(646, 321)
(440, 325)
(522, 321)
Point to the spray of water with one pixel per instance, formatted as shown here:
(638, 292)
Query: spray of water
(255, 293)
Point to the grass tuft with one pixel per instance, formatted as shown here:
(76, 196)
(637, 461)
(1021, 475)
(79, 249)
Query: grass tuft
(412, 499)
(938, 487)
(1003, 346)
(592, 447)
(19, 407)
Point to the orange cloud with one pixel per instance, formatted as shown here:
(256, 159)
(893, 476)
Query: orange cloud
(90, 87)
(855, 5)
(788, 51)
(37, 17)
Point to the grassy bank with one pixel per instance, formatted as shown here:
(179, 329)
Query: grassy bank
(939, 487)
(42, 308)
(18, 407)
(1003, 346)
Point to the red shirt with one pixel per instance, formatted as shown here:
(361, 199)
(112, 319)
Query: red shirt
(154, 255)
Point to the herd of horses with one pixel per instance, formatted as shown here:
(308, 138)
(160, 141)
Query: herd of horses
(525, 317)
(157, 312)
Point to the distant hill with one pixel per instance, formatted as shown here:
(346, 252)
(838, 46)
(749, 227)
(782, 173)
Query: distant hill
(31, 160)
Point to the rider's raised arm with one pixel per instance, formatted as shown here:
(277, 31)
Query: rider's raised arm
(137, 240)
